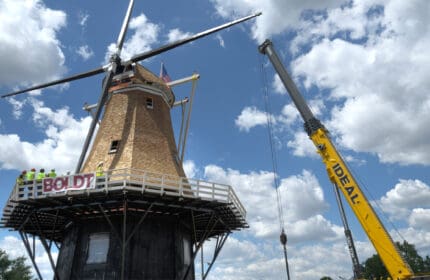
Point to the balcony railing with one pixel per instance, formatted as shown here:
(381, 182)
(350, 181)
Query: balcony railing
(127, 179)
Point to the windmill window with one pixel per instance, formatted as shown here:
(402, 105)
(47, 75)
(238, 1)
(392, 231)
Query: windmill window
(98, 247)
(149, 103)
(114, 146)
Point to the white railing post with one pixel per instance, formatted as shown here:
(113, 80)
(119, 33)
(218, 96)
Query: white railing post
(15, 192)
(105, 181)
(34, 189)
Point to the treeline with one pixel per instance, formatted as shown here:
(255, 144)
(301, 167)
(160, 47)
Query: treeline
(373, 268)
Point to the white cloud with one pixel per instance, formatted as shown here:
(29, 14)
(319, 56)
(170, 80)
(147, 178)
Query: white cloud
(290, 114)
(83, 18)
(409, 201)
(314, 228)
(273, 20)
(302, 146)
(176, 34)
(278, 86)
(190, 169)
(29, 38)
(377, 96)
(220, 40)
(406, 196)
(145, 34)
(369, 56)
(350, 21)
(252, 261)
(262, 269)
(85, 52)
(251, 117)
(236, 250)
(259, 255)
(419, 237)
(332, 260)
(14, 247)
(17, 107)
(420, 218)
(64, 136)
(293, 188)
(256, 192)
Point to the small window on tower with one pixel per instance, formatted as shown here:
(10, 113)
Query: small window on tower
(114, 146)
(98, 247)
(149, 103)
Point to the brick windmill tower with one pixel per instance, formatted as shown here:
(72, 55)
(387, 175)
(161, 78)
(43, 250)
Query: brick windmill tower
(128, 212)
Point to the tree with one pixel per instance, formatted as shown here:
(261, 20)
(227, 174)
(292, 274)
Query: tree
(427, 263)
(374, 268)
(415, 261)
(14, 269)
(326, 278)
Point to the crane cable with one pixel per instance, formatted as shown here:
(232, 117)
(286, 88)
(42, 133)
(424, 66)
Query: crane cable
(283, 236)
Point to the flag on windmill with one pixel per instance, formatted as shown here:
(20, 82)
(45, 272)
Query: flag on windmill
(163, 74)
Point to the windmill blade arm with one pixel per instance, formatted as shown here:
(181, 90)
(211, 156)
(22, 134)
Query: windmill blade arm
(102, 99)
(124, 28)
(181, 42)
(60, 81)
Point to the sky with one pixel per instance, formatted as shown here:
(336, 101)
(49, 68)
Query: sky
(361, 65)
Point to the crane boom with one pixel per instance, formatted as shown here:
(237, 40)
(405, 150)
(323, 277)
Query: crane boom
(342, 178)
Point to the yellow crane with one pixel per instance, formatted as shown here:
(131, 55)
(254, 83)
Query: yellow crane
(342, 178)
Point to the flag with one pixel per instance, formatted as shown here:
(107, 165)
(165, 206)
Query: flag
(163, 74)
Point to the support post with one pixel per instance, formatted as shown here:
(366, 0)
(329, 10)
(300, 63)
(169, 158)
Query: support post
(124, 235)
(45, 246)
(216, 253)
(109, 222)
(205, 235)
(202, 263)
(138, 224)
(31, 254)
(53, 229)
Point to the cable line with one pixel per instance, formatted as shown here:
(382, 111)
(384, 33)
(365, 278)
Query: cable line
(283, 236)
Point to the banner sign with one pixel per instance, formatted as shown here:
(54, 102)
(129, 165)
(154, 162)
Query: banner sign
(72, 182)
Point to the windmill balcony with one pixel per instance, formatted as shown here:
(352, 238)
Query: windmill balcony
(80, 192)
(128, 180)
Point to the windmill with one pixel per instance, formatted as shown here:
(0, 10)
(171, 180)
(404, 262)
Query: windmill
(138, 217)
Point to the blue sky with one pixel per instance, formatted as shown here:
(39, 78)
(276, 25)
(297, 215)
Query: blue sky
(362, 65)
